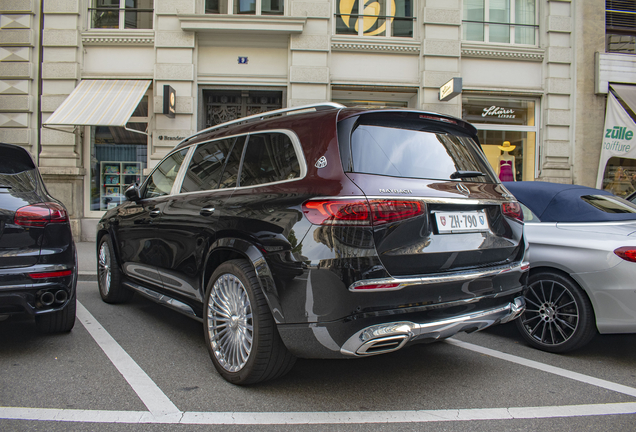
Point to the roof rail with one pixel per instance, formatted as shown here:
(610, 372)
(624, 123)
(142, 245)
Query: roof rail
(316, 107)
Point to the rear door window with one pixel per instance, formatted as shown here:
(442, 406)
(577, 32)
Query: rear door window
(207, 166)
(269, 157)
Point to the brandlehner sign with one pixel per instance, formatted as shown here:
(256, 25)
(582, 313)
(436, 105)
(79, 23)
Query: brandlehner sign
(618, 136)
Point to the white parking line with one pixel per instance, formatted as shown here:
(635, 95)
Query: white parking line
(149, 393)
(619, 388)
(332, 417)
(162, 410)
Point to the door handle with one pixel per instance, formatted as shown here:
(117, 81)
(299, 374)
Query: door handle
(155, 213)
(207, 211)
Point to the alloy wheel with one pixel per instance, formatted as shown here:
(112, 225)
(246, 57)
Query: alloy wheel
(230, 322)
(552, 315)
(103, 266)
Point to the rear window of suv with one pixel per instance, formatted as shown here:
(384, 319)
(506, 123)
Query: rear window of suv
(415, 150)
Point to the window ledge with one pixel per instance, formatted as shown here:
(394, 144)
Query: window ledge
(376, 44)
(118, 37)
(508, 52)
(251, 24)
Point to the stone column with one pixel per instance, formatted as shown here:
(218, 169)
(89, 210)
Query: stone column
(175, 52)
(441, 52)
(309, 54)
(590, 107)
(558, 113)
(19, 21)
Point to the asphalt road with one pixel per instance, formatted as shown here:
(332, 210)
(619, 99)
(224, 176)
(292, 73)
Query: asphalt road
(140, 366)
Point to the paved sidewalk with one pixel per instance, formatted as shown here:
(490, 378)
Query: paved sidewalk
(87, 258)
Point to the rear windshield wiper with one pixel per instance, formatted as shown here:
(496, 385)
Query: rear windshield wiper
(464, 174)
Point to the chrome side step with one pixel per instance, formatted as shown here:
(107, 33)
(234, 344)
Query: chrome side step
(164, 300)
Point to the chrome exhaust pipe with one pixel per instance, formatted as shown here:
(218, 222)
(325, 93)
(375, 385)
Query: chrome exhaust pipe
(47, 298)
(61, 296)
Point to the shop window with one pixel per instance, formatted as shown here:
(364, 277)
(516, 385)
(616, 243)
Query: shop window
(500, 21)
(620, 26)
(507, 132)
(247, 7)
(393, 18)
(121, 14)
(117, 159)
(225, 105)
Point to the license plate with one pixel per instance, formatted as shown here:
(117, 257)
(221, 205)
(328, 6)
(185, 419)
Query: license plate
(466, 221)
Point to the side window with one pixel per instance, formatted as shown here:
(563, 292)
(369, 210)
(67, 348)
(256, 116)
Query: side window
(528, 216)
(270, 157)
(161, 181)
(206, 166)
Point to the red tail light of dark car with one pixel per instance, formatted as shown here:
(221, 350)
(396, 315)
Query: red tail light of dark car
(361, 212)
(40, 215)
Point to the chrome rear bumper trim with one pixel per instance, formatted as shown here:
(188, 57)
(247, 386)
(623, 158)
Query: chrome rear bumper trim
(376, 339)
(435, 278)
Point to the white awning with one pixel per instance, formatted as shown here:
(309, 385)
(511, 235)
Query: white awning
(100, 103)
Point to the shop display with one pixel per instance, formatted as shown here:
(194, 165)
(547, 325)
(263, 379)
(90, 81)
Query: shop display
(115, 177)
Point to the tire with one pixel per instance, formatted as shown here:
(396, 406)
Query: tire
(558, 316)
(109, 277)
(240, 332)
(61, 321)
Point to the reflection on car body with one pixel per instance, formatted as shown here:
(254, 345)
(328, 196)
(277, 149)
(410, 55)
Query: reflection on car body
(288, 235)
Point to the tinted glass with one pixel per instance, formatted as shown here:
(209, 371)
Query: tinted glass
(270, 157)
(206, 166)
(14, 160)
(161, 181)
(415, 154)
(610, 204)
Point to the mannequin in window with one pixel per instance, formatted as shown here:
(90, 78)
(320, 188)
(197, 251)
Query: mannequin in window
(506, 167)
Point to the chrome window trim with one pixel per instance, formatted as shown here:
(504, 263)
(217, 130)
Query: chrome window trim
(437, 278)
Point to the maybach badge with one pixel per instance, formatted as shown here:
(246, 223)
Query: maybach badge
(322, 162)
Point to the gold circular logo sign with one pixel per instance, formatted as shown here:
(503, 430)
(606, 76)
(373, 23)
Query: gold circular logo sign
(372, 12)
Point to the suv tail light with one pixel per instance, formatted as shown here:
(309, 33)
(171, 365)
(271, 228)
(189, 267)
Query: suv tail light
(628, 253)
(40, 215)
(512, 210)
(361, 212)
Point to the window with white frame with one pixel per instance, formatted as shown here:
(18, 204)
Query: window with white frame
(121, 14)
(392, 18)
(245, 7)
(501, 21)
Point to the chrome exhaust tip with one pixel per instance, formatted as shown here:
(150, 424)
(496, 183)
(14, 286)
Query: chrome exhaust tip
(383, 345)
(61, 296)
(47, 298)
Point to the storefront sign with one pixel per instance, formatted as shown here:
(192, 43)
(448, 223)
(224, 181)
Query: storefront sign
(169, 101)
(499, 112)
(451, 89)
(618, 138)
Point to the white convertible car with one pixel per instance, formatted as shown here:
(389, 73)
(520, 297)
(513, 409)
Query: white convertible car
(582, 264)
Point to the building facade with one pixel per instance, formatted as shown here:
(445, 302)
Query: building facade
(529, 71)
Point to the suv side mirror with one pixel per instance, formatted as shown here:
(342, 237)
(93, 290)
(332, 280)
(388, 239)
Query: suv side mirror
(132, 193)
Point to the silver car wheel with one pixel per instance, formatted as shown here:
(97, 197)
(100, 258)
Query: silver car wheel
(103, 268)
(230, 322)
(552, 315)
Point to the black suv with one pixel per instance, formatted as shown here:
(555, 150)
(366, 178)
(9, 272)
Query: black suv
(320, 232)
(38, 260)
